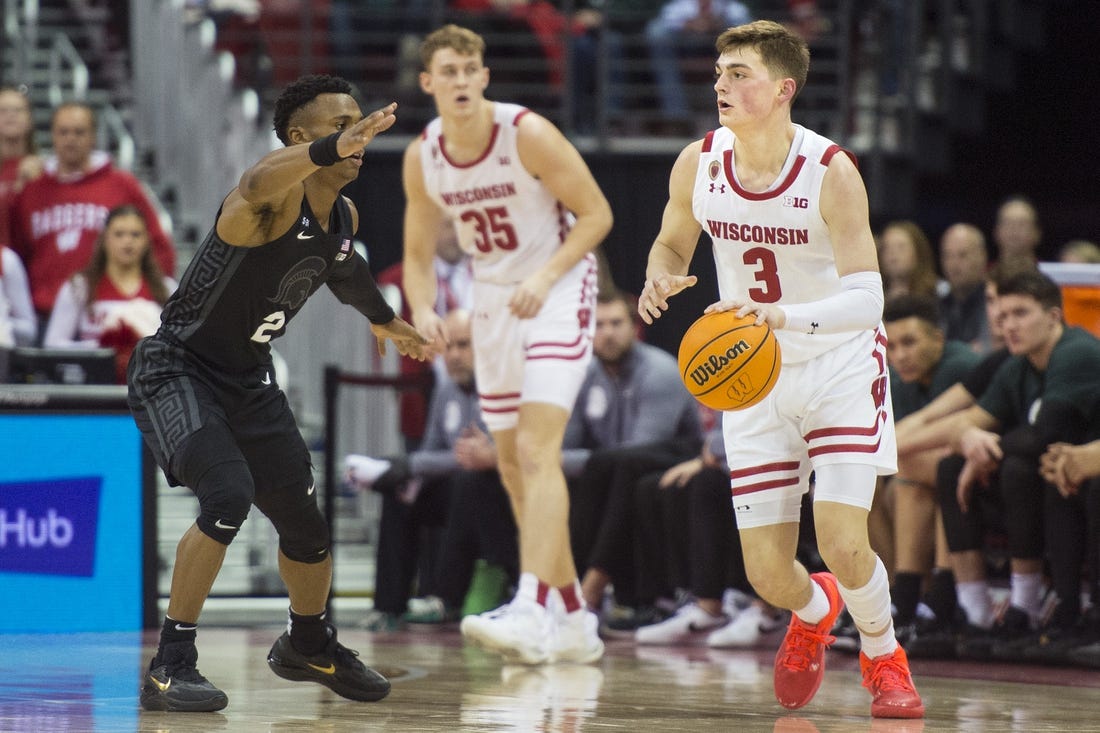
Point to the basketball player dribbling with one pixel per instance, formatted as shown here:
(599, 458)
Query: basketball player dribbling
(787, 213)
(527, 209)
(205, 397)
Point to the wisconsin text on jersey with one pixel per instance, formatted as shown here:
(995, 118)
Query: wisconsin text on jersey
(756, 233)
(481, 193)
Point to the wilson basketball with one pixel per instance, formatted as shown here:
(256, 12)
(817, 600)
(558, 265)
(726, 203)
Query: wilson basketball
(729, 363)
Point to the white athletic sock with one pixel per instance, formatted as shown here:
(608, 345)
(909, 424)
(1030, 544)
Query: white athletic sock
(817, 608)
(870, 609)
(528, 587)
(975, 601)
(1026, 590)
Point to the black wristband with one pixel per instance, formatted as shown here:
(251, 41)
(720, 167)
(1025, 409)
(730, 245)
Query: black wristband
(323, 151)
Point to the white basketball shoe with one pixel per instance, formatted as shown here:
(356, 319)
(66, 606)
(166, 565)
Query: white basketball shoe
(743, 631)
(690, 624)
(575, 637)
(520, 631)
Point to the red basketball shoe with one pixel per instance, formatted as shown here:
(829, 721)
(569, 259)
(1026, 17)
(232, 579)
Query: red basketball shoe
(800, 662)
(888, 680)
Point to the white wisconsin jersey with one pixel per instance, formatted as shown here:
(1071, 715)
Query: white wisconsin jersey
(505, 218)
(772, 246)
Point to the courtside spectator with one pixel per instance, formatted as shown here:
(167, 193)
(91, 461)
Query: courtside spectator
(1016, 231)
(117, 298)
(964, 260)
(19, 161)
(57, 217)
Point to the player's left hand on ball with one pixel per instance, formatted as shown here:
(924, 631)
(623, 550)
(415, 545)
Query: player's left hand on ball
(408, 340)
(763, 313)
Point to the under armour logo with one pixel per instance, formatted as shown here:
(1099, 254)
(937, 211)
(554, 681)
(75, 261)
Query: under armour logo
(504, 160)
(721, 187)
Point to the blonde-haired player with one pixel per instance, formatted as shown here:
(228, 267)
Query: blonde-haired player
(786, 211)
(527, 209)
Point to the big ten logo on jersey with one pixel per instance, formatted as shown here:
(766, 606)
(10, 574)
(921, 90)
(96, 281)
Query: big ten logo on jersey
(796, 202)
(272, 324)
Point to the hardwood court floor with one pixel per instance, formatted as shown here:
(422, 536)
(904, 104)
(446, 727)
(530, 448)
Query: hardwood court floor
(89, 682)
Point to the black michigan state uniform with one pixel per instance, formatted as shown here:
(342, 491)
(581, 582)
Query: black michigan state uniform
(203, 391)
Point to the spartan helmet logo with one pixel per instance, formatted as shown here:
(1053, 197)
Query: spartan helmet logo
(297, 284)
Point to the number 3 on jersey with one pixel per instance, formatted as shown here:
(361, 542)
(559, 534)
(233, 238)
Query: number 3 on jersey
(491, 228)
(767, 274)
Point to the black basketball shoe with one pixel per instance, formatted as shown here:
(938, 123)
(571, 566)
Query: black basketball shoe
(336, 667)
(173, 683)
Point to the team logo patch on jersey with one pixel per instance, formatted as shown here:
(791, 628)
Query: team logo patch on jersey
(714, 169)
(345, 250)
(297, 284)
(305, 222)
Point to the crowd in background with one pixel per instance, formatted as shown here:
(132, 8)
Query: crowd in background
(649, 513)
(86, 262)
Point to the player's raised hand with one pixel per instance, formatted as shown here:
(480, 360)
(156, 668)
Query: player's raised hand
(408, 341)
(656, 292)
(356, 137)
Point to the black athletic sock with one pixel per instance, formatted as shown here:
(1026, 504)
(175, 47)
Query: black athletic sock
(308, 634)
(941, 596)
(175, 632)
(906, 593)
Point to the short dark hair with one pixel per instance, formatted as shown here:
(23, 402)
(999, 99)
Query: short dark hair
(907, 305)
(606, 296)
(1033, 284)
(299, 93)
(1006, 267)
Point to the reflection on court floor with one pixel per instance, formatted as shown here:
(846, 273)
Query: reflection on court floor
(88, 682)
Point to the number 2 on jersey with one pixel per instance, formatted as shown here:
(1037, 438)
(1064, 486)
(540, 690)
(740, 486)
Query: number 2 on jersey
(491, 228)
(767, 274)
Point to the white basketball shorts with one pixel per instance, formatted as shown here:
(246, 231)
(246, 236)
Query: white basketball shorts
(540, 359)
(831, 409)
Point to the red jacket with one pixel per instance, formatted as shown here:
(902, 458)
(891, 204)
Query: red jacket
(55, 222)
